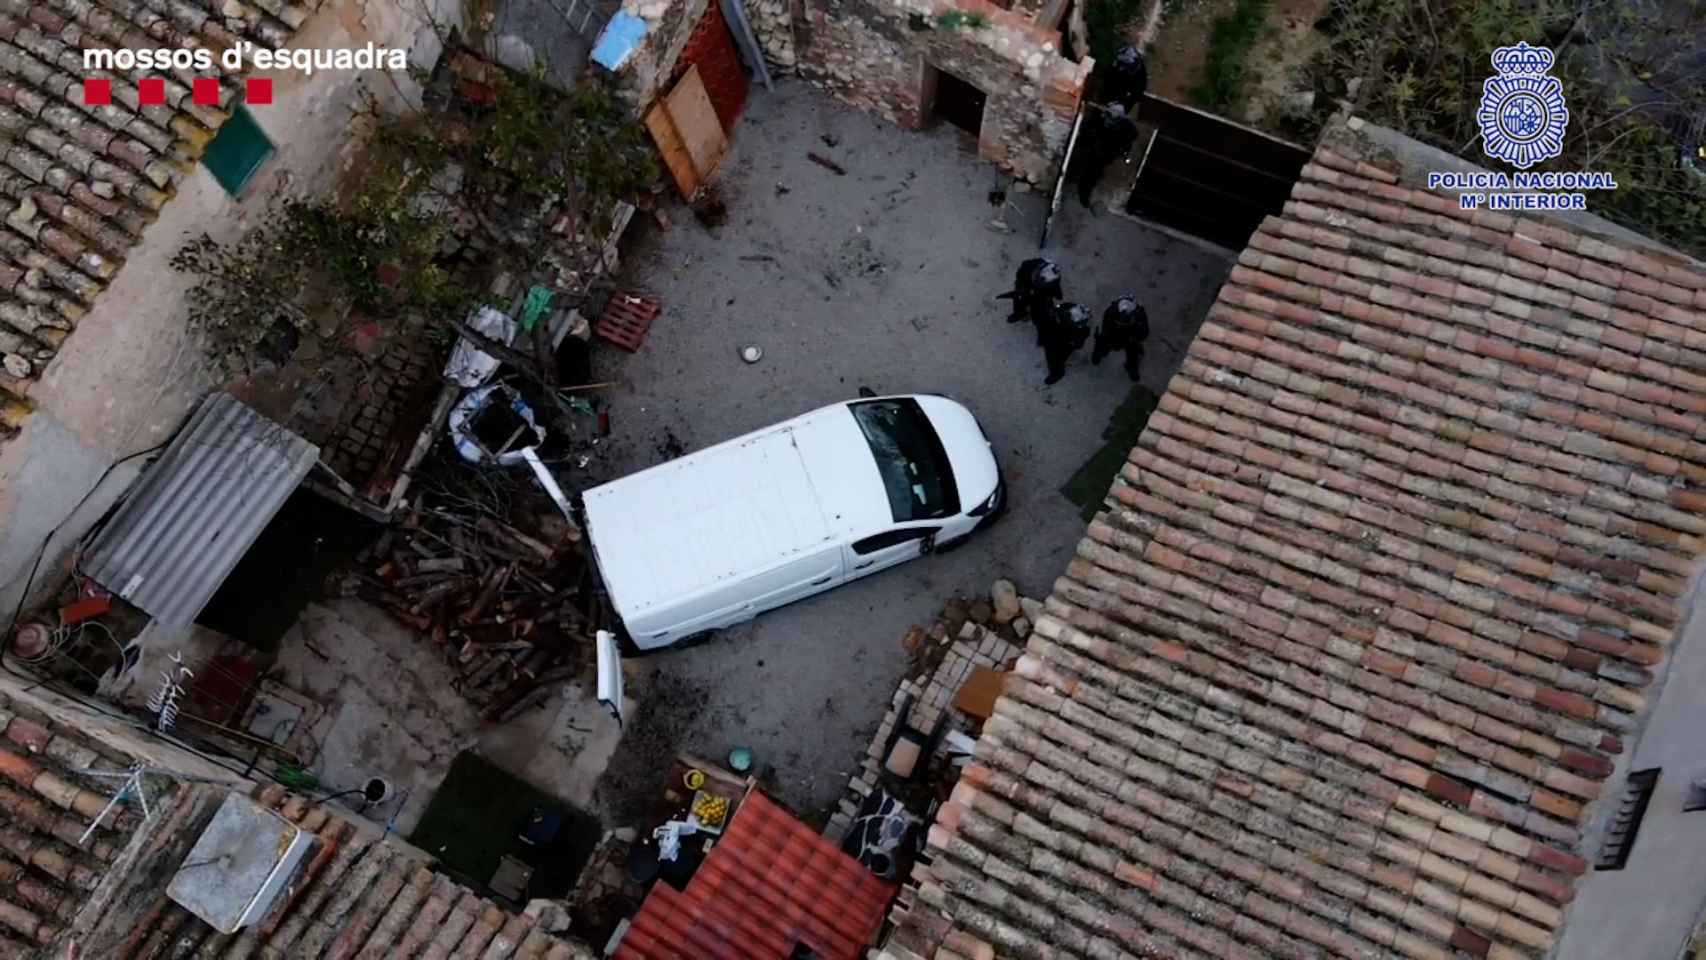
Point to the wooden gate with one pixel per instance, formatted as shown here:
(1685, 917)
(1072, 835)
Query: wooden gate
(708, 89)
(1208, 176)
(686, 128)
(711, 48)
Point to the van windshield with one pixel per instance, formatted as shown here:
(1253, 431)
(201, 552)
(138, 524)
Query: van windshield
(916, 475)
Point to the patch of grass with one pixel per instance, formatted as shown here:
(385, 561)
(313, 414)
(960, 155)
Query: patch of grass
(1106, 21)
(1088, 486)
(477, 814)
(1223, 72)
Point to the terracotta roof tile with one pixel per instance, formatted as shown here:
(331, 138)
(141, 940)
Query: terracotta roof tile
(772, 883)
(1385, 574)
(358, 895)
(79, 184)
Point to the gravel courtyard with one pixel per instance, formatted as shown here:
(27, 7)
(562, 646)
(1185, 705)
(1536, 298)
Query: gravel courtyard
(885, 277)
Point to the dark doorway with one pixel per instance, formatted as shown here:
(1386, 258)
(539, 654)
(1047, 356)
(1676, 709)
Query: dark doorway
(285, 569)
(481, 815)
(957, 101)
(1208, 176)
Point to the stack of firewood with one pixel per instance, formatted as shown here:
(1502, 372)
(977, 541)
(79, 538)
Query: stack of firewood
(513, 612)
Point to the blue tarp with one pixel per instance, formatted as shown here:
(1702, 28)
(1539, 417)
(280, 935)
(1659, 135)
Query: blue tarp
(621, 35)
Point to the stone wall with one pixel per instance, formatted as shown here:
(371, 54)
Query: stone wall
(773, 24)
(874, 53)
(651, 65)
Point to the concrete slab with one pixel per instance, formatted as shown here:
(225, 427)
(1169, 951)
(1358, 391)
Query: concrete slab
(391, 712)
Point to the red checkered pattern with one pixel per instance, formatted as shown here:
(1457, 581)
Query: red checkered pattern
(151, 91)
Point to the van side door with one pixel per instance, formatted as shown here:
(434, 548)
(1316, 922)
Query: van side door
(799, 578)
(882, 550)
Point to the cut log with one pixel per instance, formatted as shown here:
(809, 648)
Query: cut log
(508, 534)
(494, 582)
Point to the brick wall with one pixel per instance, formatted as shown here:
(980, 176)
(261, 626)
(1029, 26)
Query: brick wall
(711, 48)
(389, 407)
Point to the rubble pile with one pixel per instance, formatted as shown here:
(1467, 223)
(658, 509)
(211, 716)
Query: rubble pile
(968, 636)
(512, 611)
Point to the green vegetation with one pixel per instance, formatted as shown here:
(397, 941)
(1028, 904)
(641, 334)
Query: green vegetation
(1224, 70)
(959, 19)
(439, 203)
(1106, 21)
(477, 815)
(296, 778)
(1418, 68)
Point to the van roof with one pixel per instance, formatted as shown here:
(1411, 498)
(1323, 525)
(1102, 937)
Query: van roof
(744, 505)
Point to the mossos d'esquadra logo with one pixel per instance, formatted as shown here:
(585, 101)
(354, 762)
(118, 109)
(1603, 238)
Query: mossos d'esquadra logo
(1522, 115)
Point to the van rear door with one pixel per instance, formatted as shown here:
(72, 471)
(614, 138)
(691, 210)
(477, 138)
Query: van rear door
(609, 674)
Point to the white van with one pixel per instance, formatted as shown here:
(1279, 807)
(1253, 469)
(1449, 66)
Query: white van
(721, 535)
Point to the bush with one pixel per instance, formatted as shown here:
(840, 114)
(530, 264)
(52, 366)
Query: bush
(430, 184)
(1106, 21)
(1223, 72)
(1625, 83)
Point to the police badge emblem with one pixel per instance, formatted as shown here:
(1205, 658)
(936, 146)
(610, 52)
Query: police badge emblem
(1522, 114)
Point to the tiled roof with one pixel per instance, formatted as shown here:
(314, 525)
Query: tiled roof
(362, 896)
(769, 884)
(45, 806)
(1358, 641)
(79, 184)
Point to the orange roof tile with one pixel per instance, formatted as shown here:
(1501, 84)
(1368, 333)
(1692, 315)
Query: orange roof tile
(1343, 667)
(769, 884)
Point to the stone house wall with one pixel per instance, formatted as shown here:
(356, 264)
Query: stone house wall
(773, 24)
(651, 66)
(874, 54)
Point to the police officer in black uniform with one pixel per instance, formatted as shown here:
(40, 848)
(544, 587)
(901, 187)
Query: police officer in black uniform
(1125, 79)
(1065, 330)
(1125, 325)
(1036, 289)
(1105, 137)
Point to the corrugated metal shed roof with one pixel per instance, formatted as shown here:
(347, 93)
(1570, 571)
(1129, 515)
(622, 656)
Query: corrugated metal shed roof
(198, 509)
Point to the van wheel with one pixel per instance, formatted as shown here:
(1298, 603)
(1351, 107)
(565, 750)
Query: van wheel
(693, 640)
(632, 651)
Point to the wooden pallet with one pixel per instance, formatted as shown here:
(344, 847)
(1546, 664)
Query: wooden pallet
(626, 320)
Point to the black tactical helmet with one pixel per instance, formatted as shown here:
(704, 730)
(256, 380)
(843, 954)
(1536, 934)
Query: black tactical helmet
(1125, 310)
(1128, 57)
(1047, 272)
